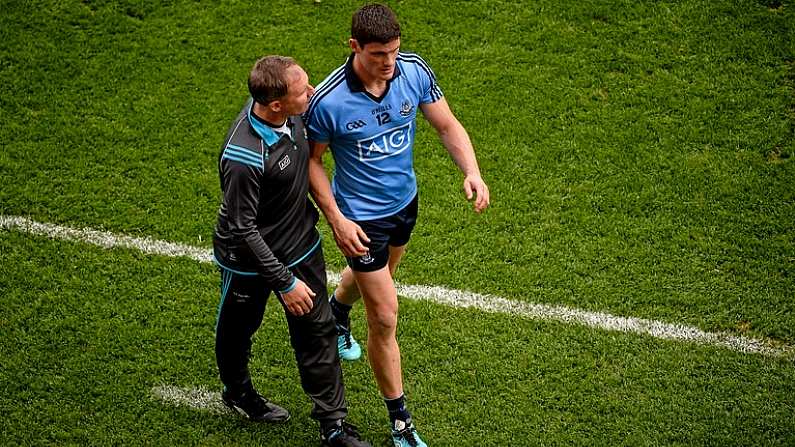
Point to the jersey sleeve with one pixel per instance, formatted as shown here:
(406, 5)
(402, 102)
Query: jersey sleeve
(318, 122)
(241, 189)
(427, 80)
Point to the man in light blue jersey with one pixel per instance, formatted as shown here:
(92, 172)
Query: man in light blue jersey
(365, 112)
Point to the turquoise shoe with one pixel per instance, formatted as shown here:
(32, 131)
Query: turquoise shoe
(405, 435)
(347, 346)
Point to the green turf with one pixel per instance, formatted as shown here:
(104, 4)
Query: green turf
(88, 337)
(639, 156)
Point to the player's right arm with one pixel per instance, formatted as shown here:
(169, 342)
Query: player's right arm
(349, 236)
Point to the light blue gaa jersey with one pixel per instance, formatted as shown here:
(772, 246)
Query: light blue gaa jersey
(372, 138)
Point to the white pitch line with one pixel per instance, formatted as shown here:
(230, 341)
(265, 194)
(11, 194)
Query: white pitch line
(440, 295)
(198, 398)
(105, 239)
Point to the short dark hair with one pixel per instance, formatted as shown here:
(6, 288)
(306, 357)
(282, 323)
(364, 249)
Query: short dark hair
(268, 81)
(374, 23)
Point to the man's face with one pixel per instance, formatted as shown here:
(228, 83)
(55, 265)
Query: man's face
(296, 101)
(378, 59)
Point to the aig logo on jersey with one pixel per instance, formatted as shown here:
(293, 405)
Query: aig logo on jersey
(385, 144)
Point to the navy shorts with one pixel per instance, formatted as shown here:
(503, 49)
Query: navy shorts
(394, 230)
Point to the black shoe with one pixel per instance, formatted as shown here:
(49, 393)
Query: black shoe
(255, 407)
(342, 435)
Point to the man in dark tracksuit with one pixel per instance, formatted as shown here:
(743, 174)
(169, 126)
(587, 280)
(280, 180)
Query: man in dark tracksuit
(266, 240)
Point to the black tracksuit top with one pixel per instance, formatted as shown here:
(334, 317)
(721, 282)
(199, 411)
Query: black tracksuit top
(266, 222)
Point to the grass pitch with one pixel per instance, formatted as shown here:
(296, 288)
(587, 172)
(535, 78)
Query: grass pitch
(639, 158)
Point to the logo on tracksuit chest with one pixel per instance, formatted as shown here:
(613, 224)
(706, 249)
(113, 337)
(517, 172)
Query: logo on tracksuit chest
(284, 162)
(385, 144)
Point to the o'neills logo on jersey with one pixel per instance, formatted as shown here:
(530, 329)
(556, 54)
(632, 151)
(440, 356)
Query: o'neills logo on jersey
(385, 144)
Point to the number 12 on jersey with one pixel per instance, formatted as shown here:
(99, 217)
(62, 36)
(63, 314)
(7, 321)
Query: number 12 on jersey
(383, 118)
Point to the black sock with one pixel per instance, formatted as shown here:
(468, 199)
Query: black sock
(341, 312)
(397, 410)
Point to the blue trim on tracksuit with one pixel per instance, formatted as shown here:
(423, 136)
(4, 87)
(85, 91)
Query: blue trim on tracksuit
(292, 286)
(306, 255)
(226, 281)
(242, 160)
(243, 155)
(233, 270)
(267, 134)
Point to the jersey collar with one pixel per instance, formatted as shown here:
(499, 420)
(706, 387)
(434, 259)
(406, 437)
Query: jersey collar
(355, 84)
(268, 135)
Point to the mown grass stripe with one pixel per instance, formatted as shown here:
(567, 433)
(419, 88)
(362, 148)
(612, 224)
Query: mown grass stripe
(440, 295)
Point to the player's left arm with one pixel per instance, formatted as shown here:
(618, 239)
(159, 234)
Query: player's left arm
(456, 140)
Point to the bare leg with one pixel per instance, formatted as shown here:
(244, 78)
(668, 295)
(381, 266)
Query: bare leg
(347, 292)
(381, 306)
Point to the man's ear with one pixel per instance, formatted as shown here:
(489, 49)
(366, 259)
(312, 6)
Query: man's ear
(354, 44)
(275, 106)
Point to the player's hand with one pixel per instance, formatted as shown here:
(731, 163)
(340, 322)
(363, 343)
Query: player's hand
(475, 188)
(350, 237)
(299, 300)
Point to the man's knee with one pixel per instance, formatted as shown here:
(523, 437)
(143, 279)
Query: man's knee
(383, 320)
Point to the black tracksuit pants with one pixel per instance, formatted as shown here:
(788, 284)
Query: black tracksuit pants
(313, 336)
